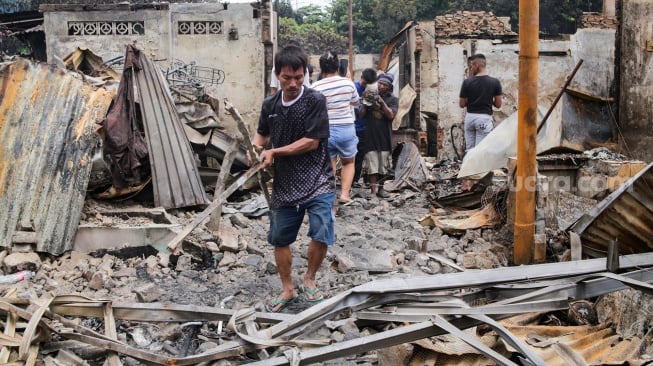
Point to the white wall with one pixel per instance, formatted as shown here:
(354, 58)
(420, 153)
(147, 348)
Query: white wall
(242, 60)
(586, 44)
(444, 67)
(154, 42)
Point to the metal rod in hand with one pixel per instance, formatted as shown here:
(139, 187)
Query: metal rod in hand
(248, 143)
(172, 246)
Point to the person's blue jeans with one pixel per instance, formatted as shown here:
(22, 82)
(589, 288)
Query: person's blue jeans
(285, 221)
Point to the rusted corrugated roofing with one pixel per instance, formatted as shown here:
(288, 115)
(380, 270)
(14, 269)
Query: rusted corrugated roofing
(47, 122)
(626, 216)
(584, 344)
(556, 345)
(175, 177)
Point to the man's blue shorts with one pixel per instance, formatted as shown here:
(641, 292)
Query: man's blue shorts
(342, 141)
(286, 221)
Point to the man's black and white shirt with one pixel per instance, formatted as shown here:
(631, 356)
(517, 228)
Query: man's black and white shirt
(298, 178)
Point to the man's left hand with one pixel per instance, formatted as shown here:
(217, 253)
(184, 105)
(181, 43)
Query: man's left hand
(266, 158)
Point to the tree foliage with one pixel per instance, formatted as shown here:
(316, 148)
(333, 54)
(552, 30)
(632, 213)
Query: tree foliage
(429, 9)
(392, 16)
(315, 38)
(311, 14)
(284, 10)
(368, 36)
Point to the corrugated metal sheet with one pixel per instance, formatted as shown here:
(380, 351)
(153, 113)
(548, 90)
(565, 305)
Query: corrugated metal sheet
(626, 216)
(585, 344)
(555, 345)
(47, 122)
(175, 176)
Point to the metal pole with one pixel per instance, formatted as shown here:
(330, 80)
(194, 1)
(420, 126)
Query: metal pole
(351, 40)
(526, 131)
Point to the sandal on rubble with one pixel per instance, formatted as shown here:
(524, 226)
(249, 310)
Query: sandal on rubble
(278, 304)
(312, 294)
(346, 203)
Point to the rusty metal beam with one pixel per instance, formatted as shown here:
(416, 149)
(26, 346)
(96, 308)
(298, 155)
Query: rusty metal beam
(248, 143)
(215, 219)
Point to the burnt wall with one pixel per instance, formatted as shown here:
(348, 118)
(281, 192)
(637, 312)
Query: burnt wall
(636, 91)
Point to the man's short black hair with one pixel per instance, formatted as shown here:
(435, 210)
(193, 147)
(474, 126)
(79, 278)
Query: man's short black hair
(329, 62)
(476, 56)
(369, 75)
(293, 56)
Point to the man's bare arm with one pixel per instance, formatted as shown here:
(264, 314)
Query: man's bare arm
(259, 141)
(498, 100)
(387, 111)
(462, 102)
(303, 145)
(300, 146)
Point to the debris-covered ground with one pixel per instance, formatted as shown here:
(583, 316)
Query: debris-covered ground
(375, 238)
(234, 269)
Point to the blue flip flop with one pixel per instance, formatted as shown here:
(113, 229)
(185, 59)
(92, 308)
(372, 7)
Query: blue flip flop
(278, 304)
(312, 294)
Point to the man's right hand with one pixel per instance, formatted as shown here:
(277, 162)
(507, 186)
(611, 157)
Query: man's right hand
(257, 155)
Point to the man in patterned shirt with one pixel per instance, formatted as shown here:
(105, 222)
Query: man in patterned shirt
(294, 121)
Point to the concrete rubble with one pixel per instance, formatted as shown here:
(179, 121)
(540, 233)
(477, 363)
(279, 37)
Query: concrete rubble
(472, 24)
